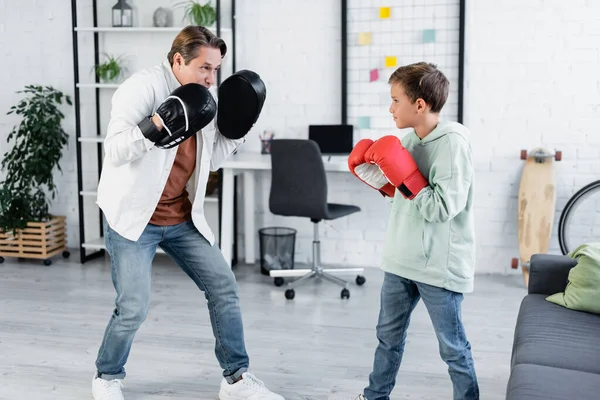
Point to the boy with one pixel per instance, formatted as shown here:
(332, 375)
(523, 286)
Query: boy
(429, 250)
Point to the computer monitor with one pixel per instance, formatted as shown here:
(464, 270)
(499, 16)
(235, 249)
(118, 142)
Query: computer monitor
(332, 139)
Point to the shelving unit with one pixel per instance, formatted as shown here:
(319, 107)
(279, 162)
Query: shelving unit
(98, 85)
(90, 135)
(130, 30)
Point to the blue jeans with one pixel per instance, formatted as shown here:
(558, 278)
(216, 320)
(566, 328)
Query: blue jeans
(399, 297)
(131, 264)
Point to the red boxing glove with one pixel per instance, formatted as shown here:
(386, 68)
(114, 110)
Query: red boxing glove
(367, 172)
(398, 165)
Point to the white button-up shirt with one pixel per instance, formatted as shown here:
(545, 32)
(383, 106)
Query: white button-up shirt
(134, 171)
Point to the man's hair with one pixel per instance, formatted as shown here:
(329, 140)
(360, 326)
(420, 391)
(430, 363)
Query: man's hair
(189, 41)
(423, 80)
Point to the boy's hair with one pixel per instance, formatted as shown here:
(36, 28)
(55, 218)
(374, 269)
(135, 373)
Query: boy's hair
(189, 41)
(423, 80)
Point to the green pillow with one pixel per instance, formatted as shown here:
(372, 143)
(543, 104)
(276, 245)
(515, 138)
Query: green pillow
(583, 288)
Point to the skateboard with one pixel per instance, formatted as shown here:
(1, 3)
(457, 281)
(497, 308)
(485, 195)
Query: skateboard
(536, 207)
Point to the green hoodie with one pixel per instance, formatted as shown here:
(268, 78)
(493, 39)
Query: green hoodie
(431, 239)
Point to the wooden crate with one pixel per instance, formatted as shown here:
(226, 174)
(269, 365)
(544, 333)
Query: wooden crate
(39, 240)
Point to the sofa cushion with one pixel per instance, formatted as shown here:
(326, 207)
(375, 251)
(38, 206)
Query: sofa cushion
(548, 383)
(551, 335)
(583, 289)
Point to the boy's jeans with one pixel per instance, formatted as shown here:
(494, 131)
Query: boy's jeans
(399, 297)
(131, 264)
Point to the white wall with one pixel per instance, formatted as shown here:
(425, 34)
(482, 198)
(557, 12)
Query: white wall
(35, 48)
(531, 80)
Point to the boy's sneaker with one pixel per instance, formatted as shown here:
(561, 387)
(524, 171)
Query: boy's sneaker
(247, 388)
(103, 389)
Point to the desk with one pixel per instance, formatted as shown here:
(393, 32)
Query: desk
(247, 164)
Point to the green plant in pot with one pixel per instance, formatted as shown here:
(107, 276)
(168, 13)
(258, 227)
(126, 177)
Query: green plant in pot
(199, 14)
(38, 142)
(110, 70)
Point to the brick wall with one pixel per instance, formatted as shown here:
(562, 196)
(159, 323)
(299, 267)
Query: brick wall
(35, 48)
(531, 80)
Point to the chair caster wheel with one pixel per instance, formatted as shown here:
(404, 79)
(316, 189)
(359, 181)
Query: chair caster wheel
(66, 254)
(289, 294)
(1, 260)
(47, 262)
(360, 280)
(345, 293)
(278, 281)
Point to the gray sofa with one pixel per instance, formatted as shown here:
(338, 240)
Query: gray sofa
(556, 351)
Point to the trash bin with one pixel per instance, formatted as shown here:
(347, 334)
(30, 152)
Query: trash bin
(277, 246)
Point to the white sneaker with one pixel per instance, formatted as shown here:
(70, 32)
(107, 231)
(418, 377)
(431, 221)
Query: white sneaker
(247, 388)
(361, 397)
(103, 389)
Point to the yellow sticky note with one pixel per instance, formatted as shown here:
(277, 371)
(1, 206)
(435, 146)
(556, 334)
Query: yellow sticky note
(390, 61)
(364, 38)
(385, 12)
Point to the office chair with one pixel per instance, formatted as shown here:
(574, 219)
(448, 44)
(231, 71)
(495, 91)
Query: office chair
(299, 189)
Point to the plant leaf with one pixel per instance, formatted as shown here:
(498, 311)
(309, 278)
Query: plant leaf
(37, 144)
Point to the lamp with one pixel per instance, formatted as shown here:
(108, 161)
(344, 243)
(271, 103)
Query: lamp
(122, 14)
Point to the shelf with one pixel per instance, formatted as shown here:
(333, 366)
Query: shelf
(92, 139)
(136, 29)
(98, 244)
(92, 193)
(88, 87)
(98, 85)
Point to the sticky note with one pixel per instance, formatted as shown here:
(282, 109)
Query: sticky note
(373, 75)
(364, 122)
(385, 12)
(428, 35)
(390, 61)
(364, 38)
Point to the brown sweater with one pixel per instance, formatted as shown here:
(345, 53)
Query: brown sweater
(174, 206)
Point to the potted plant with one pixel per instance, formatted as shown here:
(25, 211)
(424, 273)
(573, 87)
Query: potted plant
(27, 229)
(110, 70)
(198, 14)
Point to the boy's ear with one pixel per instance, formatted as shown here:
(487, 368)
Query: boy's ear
(421, 105)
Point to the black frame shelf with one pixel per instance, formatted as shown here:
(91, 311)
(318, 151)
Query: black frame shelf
(91, 249)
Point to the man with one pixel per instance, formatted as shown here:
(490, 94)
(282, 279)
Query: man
(162, 135)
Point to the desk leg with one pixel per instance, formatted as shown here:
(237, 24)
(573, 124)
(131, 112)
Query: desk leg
(249, 217)
(227, 217)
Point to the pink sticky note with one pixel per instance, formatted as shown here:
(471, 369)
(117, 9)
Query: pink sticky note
(374, 75)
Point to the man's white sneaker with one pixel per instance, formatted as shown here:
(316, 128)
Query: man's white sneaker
(361, 397)
(103, 389)
(247, 388)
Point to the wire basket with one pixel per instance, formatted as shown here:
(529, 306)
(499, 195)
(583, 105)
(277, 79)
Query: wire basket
(277, 247)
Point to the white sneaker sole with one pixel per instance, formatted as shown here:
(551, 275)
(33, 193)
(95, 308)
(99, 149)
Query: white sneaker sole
(225, 396)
